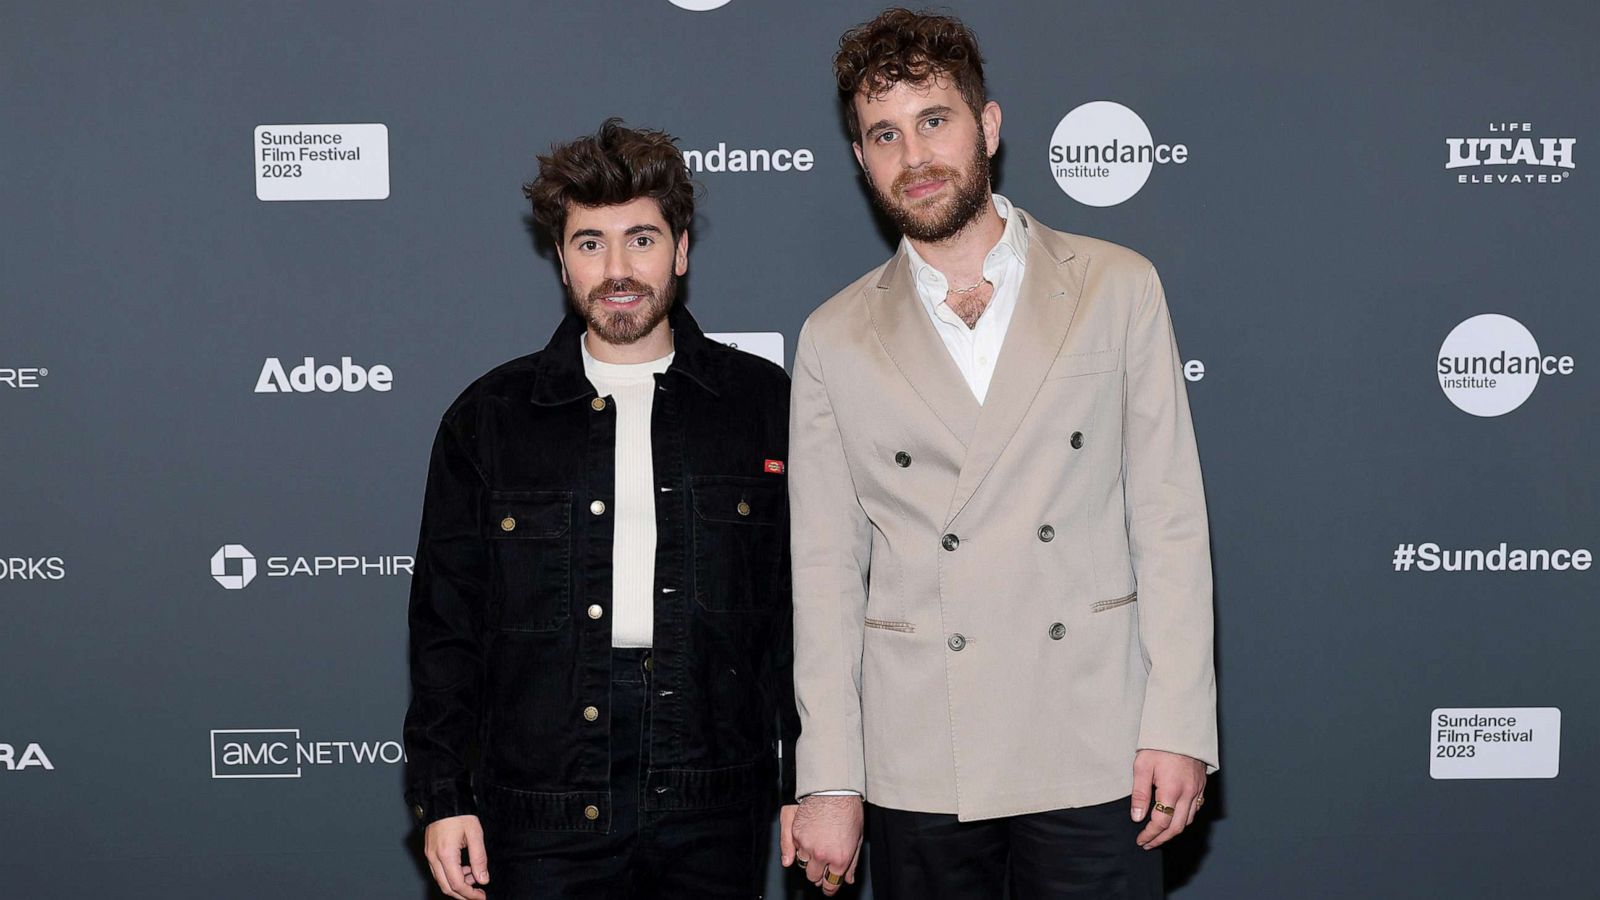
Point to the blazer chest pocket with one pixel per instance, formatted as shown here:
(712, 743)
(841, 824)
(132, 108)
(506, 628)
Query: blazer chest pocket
(530, 538)
(739, 542)
(1093, 362)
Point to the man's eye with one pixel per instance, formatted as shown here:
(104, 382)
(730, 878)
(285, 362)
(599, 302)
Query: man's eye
(588, 245)
(935, 121)
(643, 240)
(886, 137)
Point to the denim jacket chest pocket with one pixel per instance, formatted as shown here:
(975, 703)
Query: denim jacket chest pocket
(739, 541)
(530, 536)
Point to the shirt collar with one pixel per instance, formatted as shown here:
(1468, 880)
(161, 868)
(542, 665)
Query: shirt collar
(1013, 245)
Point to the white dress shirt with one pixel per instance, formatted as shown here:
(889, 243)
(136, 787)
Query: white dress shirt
(976, 350)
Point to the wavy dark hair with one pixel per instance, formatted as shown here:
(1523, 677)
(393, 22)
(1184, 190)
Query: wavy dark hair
(614, 165)
(901, 45)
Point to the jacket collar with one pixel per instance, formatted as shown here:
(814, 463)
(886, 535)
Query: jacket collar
(558, 373)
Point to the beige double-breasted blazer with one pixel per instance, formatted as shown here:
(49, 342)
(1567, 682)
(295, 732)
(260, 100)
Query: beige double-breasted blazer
(996, 605)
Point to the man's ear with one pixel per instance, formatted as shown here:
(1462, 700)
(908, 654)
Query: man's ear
(562, 259)
(680, 264)
(991, 126)
(860, 160)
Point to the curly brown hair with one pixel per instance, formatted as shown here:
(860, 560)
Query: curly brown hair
(614, 165)
(901, 45)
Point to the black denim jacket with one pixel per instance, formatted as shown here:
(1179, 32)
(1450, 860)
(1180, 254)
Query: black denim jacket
(510, 608)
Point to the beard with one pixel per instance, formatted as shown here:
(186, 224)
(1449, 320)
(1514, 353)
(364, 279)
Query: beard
(934, 221)
(627, 326)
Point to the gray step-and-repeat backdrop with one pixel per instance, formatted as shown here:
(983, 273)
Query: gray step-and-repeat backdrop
(222, 359)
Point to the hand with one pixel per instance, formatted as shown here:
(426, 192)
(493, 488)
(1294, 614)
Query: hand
(786, 833)
(827, 838)
(1180, 782)
(442, 844)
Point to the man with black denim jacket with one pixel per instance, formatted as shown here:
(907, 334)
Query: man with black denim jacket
(602, 698)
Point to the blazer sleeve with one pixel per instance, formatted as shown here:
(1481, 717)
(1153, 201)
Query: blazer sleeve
(1168, 538)
(831, 540)
(449, 596)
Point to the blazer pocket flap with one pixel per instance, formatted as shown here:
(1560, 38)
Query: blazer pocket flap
(1073, 364)
(737, 500)
(528, 515)
(1104, 605)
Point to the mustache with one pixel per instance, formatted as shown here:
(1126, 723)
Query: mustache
(621, 286)
(907, 177)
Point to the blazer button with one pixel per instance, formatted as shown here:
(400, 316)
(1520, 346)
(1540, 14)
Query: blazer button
(902, 459)
(508, 524)
(1077, 440)
(590, 713)
(957, 642)
(596, 611)
(743, 508)
(598, 507)
(417, 811)
(597, 404)
(950, 542)
(1058, 631)
(1046, 533)
(591, 812)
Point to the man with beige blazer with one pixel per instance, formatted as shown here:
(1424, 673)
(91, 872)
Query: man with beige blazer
(1002, 582)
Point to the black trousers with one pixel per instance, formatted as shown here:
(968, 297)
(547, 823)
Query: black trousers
(713, 853)
(1087, 852)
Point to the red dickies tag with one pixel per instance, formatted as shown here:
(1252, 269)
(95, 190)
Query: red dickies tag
(775, 466)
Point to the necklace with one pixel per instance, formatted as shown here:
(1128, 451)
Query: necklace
(969, 288)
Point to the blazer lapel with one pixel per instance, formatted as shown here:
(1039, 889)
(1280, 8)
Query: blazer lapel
(1046, 302)
(909, 338)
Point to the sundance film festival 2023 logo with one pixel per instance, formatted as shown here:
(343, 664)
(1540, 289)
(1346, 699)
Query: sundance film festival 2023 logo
(322, 162)
(1102, 153)
(1490, 364)
(233, 566)
(282, 753)
(1510, 154)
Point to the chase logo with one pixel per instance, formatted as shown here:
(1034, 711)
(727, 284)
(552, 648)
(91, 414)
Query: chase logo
(219, 566)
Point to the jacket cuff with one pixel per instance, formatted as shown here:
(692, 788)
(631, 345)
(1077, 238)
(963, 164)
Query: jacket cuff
(786, 779)
(441, 800)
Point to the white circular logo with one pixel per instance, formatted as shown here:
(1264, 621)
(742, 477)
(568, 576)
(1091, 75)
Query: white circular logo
(1101, 153)
(700, 5)
(1489, 364)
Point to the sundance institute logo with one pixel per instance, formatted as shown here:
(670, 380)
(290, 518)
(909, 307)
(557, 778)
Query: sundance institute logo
(1102, 153)
(1490, 364)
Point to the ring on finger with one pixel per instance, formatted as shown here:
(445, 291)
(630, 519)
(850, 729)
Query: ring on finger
(1163, 808)
(833, 878)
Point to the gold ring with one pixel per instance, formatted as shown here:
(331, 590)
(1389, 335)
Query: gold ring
(1199, 802)
(1163, 808)
(832, 877)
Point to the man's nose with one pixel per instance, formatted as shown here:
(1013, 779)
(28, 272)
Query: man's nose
(915, 151)
(618, 266)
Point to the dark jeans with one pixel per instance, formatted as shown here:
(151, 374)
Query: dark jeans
(710, 853)
(1087, 852)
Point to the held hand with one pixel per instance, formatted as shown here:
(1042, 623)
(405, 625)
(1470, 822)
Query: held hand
(786, 833)
(442, 845)
(1179, 787)
(827, 839)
